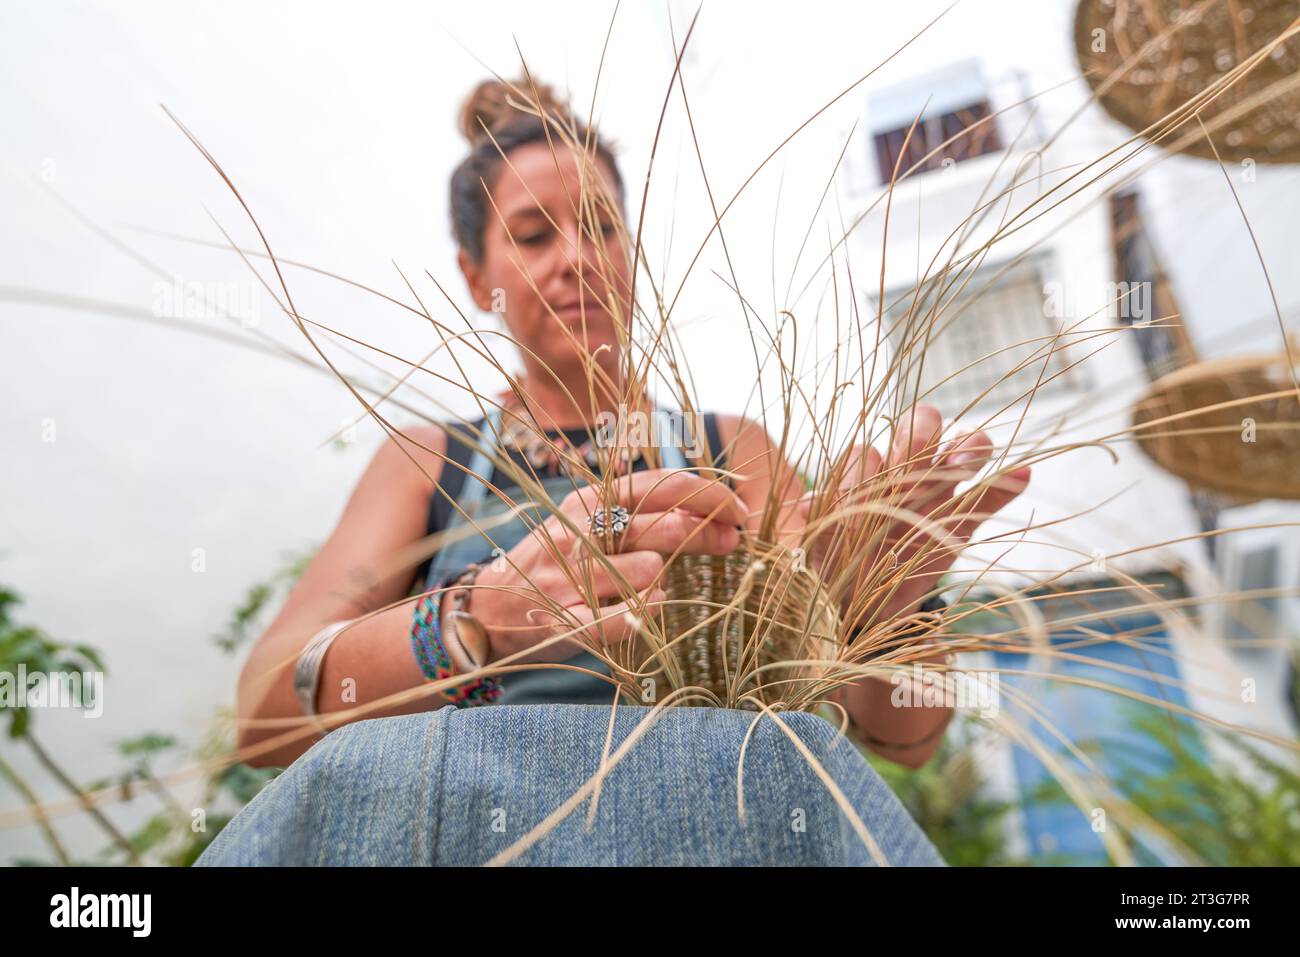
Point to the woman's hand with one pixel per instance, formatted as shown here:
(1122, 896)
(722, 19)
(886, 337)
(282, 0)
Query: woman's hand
(670, 512)
(894, 558)
(920, 478)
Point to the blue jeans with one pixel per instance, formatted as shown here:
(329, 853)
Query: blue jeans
(460, 786)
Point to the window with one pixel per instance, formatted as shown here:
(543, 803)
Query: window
(1254, 620)
(930, 133)
(981, 329)
(952, 102)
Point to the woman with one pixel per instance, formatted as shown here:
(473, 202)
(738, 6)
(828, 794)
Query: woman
(528, 253)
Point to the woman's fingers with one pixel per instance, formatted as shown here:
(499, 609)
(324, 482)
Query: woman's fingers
(966, 455)
(632, 572)
(583, 625)
(927, 554)
(916, 439)
(676, 532)
(932, 493)
(860, 472)
(856, 484)
(662, 490)
(926, 481)
(679, 532)
(960, 461)
(990, 497)
(961, 516)
(618, 622)
(907, 476)
(919, 476)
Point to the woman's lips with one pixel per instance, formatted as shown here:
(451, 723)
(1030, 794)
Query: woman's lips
(592, 310)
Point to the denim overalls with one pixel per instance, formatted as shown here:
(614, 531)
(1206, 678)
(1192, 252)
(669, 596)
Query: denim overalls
(542, 685)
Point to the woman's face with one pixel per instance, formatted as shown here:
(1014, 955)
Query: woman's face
(543, 269)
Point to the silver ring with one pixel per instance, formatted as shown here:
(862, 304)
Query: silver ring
(611, 521)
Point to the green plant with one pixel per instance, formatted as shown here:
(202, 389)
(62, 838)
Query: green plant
(173, 835)
(25, 649)
(1238, 807)
(258, 597)
(946, 798)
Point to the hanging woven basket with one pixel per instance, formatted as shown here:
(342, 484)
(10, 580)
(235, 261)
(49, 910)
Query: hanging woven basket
(747, 623)
(1230, 426)
(1146, 58)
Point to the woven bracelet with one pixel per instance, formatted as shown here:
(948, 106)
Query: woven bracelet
(435, 662)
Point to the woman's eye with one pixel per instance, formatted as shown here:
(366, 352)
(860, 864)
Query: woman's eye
(532, 239)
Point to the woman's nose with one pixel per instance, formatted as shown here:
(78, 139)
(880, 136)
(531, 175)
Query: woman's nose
(578, 249)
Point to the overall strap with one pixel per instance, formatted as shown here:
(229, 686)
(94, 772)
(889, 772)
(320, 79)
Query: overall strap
(481, 464)
(717, 456)
(671, 455)
(469, 492)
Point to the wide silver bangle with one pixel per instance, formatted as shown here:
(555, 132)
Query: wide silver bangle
(306, 673)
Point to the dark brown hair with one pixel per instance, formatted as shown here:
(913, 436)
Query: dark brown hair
(493, 104)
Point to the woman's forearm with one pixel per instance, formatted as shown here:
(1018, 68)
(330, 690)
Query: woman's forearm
(908, 735)
(368, 661)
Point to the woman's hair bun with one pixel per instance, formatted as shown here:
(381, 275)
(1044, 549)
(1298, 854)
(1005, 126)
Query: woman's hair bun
(495, 103)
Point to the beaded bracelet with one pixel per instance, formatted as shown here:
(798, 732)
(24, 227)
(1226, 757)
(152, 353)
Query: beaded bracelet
(435, 662)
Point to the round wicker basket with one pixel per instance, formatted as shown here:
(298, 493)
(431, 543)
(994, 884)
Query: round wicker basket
(1140, 72)
(1237, 431)
(734, 614)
